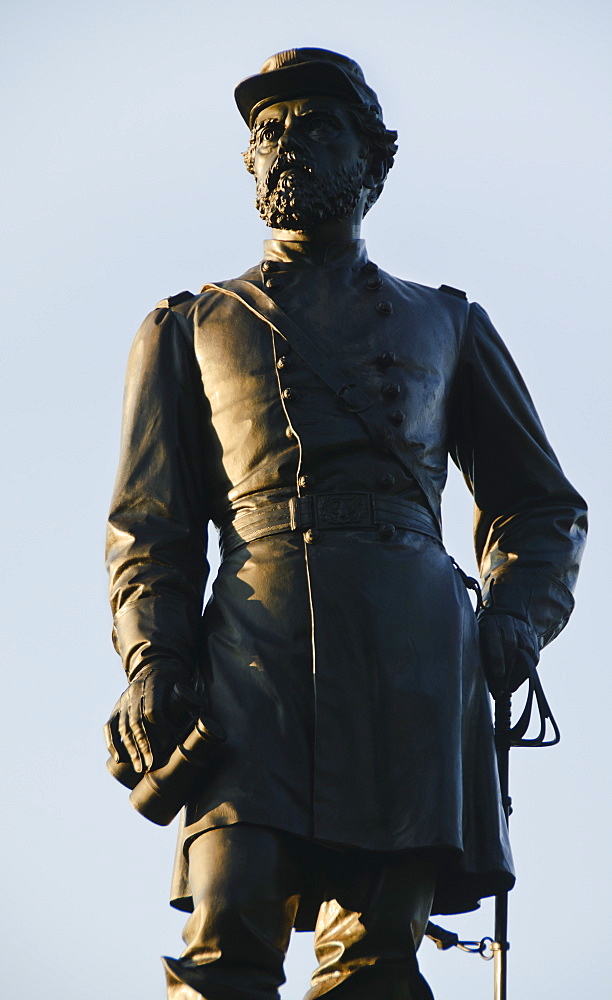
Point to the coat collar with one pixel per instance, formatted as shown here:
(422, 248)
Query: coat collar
(350, 254)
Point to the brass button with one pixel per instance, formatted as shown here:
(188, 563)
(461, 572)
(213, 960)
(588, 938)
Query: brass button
(289, 393)
(282, 362)
(289, 431)
(370, 267)
(273, 282)
(386, 359)
(386, 530)
(397, 417)
(384, 308)
(306, 482)
(390, 390)
(269, 265)
(310, 536)
(374, 282)
(386, 481)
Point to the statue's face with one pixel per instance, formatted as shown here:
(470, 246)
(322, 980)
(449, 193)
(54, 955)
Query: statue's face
(309, 163)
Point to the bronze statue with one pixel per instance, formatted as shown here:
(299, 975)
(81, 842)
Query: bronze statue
(308, 410)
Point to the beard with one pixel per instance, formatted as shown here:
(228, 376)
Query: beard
(299, 200)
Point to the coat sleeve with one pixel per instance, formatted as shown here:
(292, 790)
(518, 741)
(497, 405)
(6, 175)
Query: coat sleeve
(157, 528)
(530, 523)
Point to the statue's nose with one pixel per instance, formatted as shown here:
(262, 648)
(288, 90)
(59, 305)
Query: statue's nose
(289, 139)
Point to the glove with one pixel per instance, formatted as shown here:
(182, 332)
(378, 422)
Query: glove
(508, 646)
(149, 716)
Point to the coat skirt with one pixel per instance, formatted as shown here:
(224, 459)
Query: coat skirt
(348, 678)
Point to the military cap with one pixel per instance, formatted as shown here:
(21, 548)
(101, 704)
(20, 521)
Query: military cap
(300, 73)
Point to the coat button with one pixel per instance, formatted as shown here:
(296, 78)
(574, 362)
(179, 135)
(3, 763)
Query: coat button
(311, 536)
(386, 359)
(386, 481)
(370, 268)
(383, 308)
(289, 393)
(390, 390)
(269, 265)
(306, 482)
(289, 431)
(374, 282)
(397, 417)
(386, 530)
(273, 282)
(282, 362)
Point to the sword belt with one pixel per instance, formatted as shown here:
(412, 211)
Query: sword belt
(327, 512)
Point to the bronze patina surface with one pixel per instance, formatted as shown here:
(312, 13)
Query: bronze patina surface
(357, 789)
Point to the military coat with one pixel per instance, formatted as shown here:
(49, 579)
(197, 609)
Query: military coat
(343, 664)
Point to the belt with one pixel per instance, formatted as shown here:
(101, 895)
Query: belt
(325, 512)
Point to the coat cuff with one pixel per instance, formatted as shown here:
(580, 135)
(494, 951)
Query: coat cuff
(539, 599)
(155, 630)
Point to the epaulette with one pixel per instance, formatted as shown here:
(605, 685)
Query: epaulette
(453, 291)
(174, 300)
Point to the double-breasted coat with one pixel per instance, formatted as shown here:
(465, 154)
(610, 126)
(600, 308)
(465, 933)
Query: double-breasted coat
(343, 664)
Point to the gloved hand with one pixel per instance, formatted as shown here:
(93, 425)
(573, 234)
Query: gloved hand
(507, 646)
(144, 723)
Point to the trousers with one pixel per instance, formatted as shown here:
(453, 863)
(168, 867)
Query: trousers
(247, 882)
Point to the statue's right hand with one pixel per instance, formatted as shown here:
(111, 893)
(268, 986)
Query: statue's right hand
(140, 726)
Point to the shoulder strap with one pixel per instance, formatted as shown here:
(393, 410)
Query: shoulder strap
(175, 300)
(351, 394)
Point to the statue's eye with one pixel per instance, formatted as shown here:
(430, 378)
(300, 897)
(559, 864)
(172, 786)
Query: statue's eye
(321, 126)
(270, 132)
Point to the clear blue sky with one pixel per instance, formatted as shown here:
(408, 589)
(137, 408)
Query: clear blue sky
(124, 183)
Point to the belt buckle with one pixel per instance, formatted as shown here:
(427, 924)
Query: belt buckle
(294, 513)
(302, 513)
(343, 510)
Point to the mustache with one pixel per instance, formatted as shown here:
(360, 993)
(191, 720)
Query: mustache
(287, 161)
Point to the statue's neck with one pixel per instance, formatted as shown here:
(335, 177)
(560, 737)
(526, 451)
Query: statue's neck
(331, 231)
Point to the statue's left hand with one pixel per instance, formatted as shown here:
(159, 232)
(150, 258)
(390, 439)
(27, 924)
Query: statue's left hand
(507, 645)
(144, 722)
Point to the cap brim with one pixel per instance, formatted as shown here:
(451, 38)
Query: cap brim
(256, 92)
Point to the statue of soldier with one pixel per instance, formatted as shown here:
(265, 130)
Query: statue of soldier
(308, 410)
